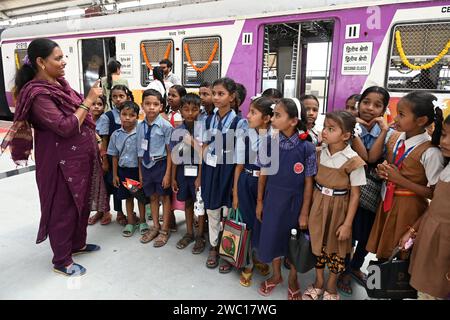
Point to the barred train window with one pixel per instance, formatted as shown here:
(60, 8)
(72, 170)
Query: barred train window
(19, 55)
(201, 60)
(152, 52)
(423, 44)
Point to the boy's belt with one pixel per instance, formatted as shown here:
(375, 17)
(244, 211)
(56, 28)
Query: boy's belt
(158, 158)
(331, 192)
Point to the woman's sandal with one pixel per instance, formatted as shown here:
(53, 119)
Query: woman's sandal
(161, 239)
(246, 278)
(330, 296)
(95, 218)
(185, 241)
(266, 288)
(149, 235)
(213, 259)
(312, 293)
(106, 219)
(294, 295)
(225, 267)
(129, 230)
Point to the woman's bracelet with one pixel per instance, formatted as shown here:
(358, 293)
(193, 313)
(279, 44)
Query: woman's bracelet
(84, 107)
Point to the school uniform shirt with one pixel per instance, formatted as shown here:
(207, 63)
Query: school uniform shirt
(174, 116)
(157, 85)
(241, 129)
(173, 78)
(369, 137)
(256, 139)
(159, 138)
(203, 114)
(445, 174)
(123, 144)
(335, 161)
(432, 159)
(182, 148)
(102, 124)
(314, 134)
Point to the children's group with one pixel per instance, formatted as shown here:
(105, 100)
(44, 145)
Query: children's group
(359, 185)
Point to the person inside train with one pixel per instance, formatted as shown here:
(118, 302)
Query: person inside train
(166, 65)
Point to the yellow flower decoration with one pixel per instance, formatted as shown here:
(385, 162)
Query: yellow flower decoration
(401, 52)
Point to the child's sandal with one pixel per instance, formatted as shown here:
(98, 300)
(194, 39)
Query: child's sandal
(246, 279)
(312, 293)
(149, 235)
(161, 239)
(143, 228)
(128, 231)
(330, 296)
(294, 295)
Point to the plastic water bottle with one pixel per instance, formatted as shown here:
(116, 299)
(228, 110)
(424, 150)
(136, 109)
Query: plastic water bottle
(293, 234)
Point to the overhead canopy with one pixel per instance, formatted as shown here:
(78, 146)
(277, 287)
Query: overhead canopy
(13, 12)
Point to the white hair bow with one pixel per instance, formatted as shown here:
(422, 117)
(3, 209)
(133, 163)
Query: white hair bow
(258, 95)
(439, 105)
(299, 107)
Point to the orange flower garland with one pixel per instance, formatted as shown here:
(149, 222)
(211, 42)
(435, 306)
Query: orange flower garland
(169, 47)
(206, 66)
(144, 54)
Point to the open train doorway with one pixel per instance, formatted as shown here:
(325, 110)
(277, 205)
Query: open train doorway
(297, 58)
(95, 54)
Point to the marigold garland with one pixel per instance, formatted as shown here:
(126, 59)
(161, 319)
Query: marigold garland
(144, 54)
(405, 60)
(16, 56)
(206, 66)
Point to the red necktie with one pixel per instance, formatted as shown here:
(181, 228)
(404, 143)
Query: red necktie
(390, 188)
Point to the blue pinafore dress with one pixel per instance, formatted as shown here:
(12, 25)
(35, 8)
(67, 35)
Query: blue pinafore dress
(248, 187)
(283, 198)
(217, 182)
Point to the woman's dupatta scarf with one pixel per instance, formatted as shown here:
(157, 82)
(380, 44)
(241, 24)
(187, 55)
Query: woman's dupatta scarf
(19, 137)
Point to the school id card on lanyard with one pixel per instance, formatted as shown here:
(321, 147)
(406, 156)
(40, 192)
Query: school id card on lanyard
(211, 159)
(145, 141)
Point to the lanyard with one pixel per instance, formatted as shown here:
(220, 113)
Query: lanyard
(399, 162)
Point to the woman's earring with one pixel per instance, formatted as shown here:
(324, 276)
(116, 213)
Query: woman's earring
(43, 67)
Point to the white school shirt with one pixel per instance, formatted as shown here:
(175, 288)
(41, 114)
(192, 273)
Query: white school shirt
(445, 174)
(432, 159)
(157, 85)
(337, 160)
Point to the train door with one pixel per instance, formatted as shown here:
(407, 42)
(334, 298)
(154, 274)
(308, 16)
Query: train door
(94, 55)
(297, 58)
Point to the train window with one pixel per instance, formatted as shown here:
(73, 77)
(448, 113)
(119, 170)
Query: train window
(201, 60)
(297, 59)
(19, 55)
(418, 57)
(152, 52)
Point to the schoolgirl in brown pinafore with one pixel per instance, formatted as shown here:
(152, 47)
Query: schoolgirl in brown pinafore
(430, 260)
(407, 206)
(328, 212)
